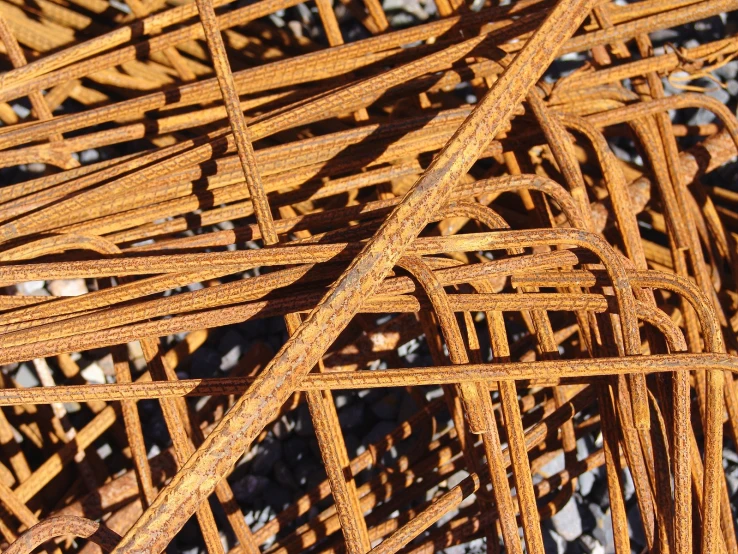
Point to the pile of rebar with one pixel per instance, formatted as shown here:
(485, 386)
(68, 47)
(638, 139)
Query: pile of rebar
(193, 166)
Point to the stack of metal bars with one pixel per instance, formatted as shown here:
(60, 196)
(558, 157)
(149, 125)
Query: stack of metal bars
(561, 291)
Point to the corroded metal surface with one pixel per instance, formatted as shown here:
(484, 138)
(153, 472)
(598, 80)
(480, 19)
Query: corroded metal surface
(562, 292)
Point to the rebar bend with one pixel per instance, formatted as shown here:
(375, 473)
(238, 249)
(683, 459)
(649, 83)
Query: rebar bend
(59, 526)
(59, 243)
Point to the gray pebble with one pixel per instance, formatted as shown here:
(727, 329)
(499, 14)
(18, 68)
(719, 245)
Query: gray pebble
(387, 407)
(553, 543)
(189, 534)
(408, 408)
(205, 362)
(457, 478)
(703, 116)
(732, 87)
(89, 156)
(106, 363)
(248, 487)
(265, 515)
(477, 546)
(276, 498)
(315, 478)
(730, 456)
(603, 532)
(553, 466)
(72, 407)
(567, 522)
(304, 424)
(628, 486)
(26, 377)
(283, 427)
(378, 432)
(587, 545)
(294, 450)
(352, 444)
(719, 94)
(252, 329)
(283, 475)
(342, 399)
(93, 374)
(278, 21)
(268, 453)
(352, 415)
(728, 72)
(67, 287)
(21, 110)
(32, 288)
(157, 431)
(250, 517)
(305, 14)
(309, 467)
(585, 482)
(732, 481)
(231, 348)
(664, 35)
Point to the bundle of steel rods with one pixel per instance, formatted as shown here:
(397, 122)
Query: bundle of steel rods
(281, 277)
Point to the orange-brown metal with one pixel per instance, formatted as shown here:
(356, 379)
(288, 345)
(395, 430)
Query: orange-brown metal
(346, 188)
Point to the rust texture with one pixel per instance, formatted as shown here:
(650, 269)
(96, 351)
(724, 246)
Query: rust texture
(440, 187)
